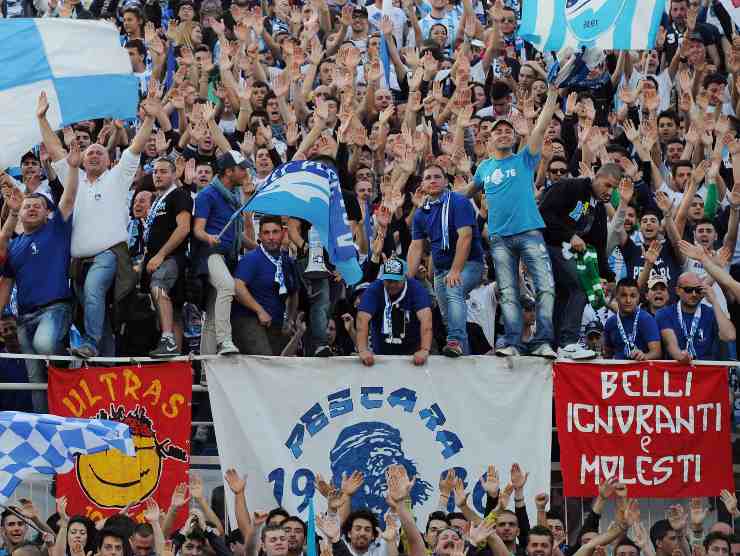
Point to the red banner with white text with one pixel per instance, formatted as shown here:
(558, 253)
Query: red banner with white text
(155, 401)
(663, 429)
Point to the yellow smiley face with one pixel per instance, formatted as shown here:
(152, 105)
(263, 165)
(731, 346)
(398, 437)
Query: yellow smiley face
(113, 480)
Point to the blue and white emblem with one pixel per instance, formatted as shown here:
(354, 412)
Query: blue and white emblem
(588, 19)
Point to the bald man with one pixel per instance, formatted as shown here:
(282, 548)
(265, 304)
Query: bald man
(689, 329)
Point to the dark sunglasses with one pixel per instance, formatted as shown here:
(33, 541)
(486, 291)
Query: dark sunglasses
(559, 171)
(691, 290)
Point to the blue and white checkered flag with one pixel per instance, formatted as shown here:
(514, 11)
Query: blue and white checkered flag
(554, 25)
(36, 443)
(81, 65)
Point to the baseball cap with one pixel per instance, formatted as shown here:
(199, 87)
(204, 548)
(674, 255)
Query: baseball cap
(231, 159)
(594, 327)
(695, 36)
(29, 154)
(359, 11)
(394, 269)
(657, 279)
(500, 121)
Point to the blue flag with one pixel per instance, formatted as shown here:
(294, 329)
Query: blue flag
(36, 443)
(310, 191)
(555, 25)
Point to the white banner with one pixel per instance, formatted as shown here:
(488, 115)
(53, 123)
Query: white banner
(281, 419)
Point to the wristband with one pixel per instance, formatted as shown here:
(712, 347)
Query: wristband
(518, 499)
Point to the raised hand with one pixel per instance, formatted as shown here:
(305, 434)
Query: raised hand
(461, 497)
(42, 106)
(180, 495)
(61, 502)
(518, 477)
(196, 486)
(74, 159)
(730, 501)
(479, 532)
(329, 526)
(541, 500)
(152, 513)
(351, 484)
(391, 533)
(447, 481)
(236, 483)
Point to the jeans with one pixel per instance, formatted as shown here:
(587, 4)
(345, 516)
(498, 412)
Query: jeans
(529, 247)
(42, 333)
(452, 301)
(569, 297)
(319, 311)
(93, 296)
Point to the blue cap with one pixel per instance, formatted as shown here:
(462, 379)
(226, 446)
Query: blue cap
(394, 269)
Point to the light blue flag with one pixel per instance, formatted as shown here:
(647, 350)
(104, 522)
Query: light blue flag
(556, 25)
(311, 534)
(81, 66)
(310, 190)
(37, 443)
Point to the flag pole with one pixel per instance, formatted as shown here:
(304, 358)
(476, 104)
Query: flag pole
(237, 213)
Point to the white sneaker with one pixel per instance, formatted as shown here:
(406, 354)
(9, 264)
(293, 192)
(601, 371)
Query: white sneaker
(507, 351)
(544, 350)
(576, 351)
(227, 347)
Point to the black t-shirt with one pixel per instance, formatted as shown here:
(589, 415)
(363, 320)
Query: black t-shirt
(163, 221)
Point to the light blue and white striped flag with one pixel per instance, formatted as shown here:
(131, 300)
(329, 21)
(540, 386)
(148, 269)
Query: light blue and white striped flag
(36, 443)
(310, 190)
(80, 64)
(554, 25)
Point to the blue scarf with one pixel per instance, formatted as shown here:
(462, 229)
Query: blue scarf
(368, 222)
(445, 200)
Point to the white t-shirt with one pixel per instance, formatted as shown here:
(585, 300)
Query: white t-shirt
(100, 217)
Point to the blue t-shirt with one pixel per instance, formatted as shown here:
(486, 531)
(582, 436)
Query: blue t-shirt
(39, 263)
(509, 187)
(258, 273)
(211, 205)
(405, 335)
(647, 331)
(428, 225)
(707, 331)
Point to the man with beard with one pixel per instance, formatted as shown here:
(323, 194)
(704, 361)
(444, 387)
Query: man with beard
(266, 284)
(574, 213)
(296, 531)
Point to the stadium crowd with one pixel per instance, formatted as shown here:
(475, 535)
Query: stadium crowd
(493, 211)
(346, 529)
